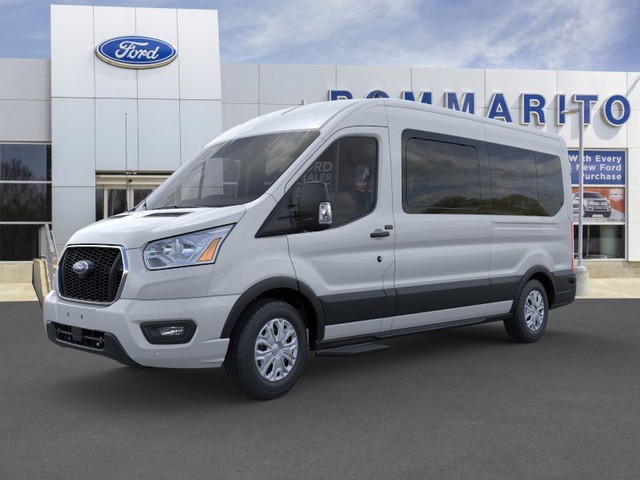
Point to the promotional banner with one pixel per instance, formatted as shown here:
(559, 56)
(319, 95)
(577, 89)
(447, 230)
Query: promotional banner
(601, 167)
(601, 205)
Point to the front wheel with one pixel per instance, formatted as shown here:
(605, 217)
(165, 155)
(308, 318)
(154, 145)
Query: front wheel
(532, 311)
(268, 350)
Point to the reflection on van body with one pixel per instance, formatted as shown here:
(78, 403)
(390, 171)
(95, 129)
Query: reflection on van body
(319, 228)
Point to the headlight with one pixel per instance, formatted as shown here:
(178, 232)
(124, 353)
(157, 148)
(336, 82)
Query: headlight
(195, 248)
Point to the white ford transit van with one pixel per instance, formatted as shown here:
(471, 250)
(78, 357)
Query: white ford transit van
(325, 227)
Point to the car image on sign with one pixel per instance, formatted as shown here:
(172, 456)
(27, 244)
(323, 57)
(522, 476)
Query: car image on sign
(593, 204)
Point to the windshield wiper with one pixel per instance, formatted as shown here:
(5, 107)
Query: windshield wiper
(179, 206)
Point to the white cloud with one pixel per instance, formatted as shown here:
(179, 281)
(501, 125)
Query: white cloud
(536, 34)
(544, 34)
(294, 24)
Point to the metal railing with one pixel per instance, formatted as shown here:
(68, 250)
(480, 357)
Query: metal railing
(48, 251)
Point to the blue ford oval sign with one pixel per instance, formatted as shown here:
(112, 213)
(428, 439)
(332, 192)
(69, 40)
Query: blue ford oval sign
(136, 52)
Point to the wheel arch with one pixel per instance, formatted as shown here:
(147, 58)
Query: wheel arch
(545, 277)
(288, 289)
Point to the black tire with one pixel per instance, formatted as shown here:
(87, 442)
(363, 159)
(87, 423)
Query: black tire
(242, 365)
(606, 214)
(530, 317)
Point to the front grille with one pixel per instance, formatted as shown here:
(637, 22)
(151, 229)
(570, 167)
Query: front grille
(101, 284)
(79, 336)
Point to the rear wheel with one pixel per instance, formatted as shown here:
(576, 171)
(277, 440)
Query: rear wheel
(532, 311)
(268, 350)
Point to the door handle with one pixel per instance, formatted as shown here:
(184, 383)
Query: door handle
(377, 233)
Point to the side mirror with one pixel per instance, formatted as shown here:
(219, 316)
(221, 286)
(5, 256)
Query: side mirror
(314, 208)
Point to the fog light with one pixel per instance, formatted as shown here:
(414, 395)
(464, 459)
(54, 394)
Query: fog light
(172, 331)
(180, 331)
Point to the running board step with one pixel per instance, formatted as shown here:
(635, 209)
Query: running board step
(349, 350)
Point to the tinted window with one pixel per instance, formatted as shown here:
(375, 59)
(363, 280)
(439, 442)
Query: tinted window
(22, 162)
(440, 177)
(550, 191)
(349, 169)
(25, 202)
(514, 187)
(590, 195)
(18, 242)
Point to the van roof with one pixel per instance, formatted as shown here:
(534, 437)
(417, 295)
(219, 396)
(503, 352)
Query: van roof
(315, 116)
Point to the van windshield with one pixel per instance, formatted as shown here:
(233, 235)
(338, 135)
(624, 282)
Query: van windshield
(231, 173)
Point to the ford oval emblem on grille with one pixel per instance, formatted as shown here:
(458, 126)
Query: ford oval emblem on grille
(83, 267)
(136, 52)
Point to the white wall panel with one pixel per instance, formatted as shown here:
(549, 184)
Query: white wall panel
(633, 203)
(634, 242)
(74, 208)
(633, 215)
(291, 84)
(200, 122)
(441, 80)
(25, 79)
(159, 135)
(633, 89)
(512, 83)
(73, 143)
(199, 54)
(116, 134)
(161, 23)
(597, 135)
(633, 129)
(633, 169)
(362, 80)
(240, 83)
(603, 84)
(114, 82)
(25, 121)
(235, 114)
(72, 55)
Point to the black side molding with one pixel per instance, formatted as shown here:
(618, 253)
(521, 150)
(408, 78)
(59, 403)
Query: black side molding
(565, 287)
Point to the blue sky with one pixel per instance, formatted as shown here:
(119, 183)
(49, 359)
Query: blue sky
(532, 34)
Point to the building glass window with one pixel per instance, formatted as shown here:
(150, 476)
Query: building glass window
(603, 203)
(600, 241)
(25, 199)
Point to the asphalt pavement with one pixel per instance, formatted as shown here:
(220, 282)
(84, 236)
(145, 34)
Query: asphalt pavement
(464, 403)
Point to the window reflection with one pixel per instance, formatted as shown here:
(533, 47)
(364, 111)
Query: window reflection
(25, 202)
(18, 242)
(25, 196)
(116, 201)
(25, 162)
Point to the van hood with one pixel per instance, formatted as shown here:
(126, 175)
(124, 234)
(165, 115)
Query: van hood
(135, 229)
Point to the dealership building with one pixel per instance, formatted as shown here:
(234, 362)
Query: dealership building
(84, 135)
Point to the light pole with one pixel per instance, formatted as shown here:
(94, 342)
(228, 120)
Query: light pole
(582, 274)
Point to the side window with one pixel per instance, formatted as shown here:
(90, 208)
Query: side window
(440, 177)
(349, 168)
(514, 187)
(550, 191)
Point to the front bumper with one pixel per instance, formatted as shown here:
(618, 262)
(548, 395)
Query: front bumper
(597, 209)
(121, 338)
